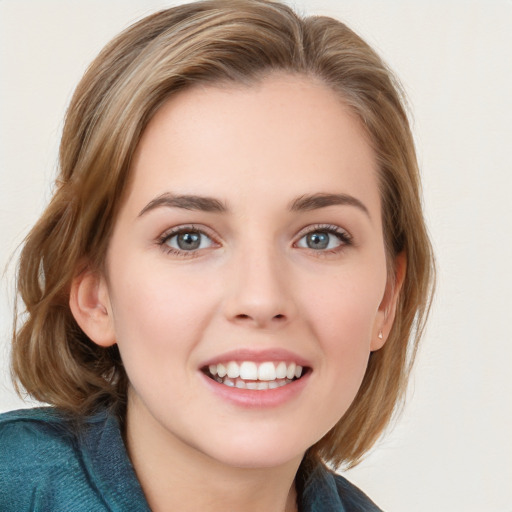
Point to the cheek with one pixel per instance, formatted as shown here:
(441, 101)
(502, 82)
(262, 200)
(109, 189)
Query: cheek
(159, 318)
(345, 306)
(345, 336)
(158, 313)
(343, 315)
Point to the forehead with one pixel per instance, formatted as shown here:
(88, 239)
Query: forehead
(285, 133)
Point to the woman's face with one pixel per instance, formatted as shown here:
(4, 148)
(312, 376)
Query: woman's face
(250, 241)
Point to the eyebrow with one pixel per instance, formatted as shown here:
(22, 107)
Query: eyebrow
(317, 201)
(305, 202)
(186, 202)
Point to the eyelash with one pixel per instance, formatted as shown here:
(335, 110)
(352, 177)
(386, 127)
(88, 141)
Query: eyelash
(165, 237)
(342, 235)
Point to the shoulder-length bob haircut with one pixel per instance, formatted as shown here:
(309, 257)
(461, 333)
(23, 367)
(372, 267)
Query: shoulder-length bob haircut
(209, 42)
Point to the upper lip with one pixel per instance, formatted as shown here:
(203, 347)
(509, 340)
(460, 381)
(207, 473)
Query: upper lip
(258, 356)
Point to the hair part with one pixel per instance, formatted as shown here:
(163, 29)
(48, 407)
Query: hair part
(210, 42)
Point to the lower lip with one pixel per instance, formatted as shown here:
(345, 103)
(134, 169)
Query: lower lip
(252, 398)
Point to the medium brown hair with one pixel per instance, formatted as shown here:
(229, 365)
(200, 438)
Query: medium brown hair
(216, 41)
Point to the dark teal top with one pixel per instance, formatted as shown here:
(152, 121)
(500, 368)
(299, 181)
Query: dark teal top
(49, 464)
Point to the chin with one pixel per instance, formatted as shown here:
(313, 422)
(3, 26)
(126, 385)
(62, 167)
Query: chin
(262, 452)
(262, 460)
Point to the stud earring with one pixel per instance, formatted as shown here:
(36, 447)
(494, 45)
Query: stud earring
(380, 335)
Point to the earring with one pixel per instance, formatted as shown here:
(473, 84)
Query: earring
(380, 335)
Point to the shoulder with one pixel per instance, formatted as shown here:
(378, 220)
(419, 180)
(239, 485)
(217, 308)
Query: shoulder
(37, 418)
(353, 498)
(27, 436)
(326, 491)
(41, 463)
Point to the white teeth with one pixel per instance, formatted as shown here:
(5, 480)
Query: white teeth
(256, 376)
(233, 370)
(221, 370)
(267, 371)
(228, 382)
(249, 370)
(281, 370)
(240, 384)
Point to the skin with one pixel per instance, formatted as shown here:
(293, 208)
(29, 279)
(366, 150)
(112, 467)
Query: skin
(253, 284)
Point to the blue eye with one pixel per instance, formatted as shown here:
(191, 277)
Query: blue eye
(324, 239)
(188, 240)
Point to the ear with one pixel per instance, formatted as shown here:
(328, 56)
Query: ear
(90, 305)
(387, 309)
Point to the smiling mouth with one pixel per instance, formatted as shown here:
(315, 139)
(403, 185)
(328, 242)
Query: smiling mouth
(255, 376)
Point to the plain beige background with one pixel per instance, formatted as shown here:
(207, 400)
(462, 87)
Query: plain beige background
(451, 450)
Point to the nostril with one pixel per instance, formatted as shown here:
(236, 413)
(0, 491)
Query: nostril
(261, 320)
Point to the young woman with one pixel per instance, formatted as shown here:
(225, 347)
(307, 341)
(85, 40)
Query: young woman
(227, 289)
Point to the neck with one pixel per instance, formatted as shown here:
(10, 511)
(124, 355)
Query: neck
(175, 476)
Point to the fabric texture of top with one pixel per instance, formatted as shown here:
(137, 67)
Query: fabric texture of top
(48, 464)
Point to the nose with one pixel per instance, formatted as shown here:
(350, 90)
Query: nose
(259, 292)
